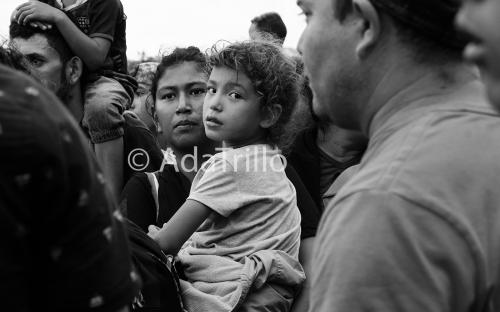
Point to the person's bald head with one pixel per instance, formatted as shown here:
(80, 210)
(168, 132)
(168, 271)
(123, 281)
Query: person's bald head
(427, 26)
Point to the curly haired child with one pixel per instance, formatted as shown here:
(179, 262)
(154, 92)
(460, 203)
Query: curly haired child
(237, 235)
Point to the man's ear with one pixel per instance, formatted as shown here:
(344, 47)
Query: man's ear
(371, 27)
(270, 115)
(74, 70)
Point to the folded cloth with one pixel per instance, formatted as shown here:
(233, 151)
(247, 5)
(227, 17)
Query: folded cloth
(217, 283)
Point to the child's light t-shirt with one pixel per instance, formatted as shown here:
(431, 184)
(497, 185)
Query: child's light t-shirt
(255, 226)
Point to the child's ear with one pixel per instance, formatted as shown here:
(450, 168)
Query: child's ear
(270, 115)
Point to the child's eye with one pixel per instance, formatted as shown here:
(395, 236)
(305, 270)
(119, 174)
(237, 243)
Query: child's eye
(235, 95)
(211, 90)
(168, 96)
(199, 91)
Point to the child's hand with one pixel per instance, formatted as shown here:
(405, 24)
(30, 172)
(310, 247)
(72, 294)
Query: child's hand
(41, 25)
(36, 24)
(153, 231)
(13, 16)
(33, 11)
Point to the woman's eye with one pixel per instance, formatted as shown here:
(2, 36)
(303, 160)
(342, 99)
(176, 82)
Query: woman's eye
(168, 96)
(235, 95)
(211, 90)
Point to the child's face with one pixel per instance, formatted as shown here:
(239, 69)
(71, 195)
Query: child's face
(231, 111)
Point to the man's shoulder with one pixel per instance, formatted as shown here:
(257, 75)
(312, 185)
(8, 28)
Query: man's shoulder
(438, 135)
(446, 156)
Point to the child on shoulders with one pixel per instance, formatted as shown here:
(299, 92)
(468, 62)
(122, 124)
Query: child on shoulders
(95, 32)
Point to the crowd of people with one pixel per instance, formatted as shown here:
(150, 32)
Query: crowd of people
(358, 174)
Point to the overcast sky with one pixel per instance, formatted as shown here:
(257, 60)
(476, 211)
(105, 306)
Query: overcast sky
(160, 25)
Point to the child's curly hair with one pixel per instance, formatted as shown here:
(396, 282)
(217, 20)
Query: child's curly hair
(272, 74)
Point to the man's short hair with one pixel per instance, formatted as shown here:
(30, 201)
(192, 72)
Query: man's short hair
(54, 38)
(271, 23)
(426, 25)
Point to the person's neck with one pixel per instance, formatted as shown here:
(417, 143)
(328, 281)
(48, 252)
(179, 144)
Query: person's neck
(403, 82)
(189, 162)
(340, 144)
(258, 139)
(74, 102)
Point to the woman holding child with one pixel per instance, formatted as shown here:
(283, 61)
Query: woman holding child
(242, 227)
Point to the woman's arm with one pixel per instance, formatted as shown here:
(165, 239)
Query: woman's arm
(137, 202)
(181, 226)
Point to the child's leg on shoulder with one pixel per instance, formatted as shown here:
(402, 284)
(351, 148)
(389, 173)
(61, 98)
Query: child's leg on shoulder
(105, 101)
(268, 298)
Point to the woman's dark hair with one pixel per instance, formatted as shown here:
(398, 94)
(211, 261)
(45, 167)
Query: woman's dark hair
(178, 56)
(272, 73)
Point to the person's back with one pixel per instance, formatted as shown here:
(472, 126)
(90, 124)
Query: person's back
(60, 233)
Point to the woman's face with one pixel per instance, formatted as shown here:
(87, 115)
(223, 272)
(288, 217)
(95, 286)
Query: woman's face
(179, 105)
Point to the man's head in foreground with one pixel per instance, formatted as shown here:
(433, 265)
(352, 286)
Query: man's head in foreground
(357, 53)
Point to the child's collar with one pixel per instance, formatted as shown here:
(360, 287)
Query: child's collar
(77, 3)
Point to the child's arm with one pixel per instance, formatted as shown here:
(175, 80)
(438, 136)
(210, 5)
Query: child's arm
(180, 227)
(92, 51)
